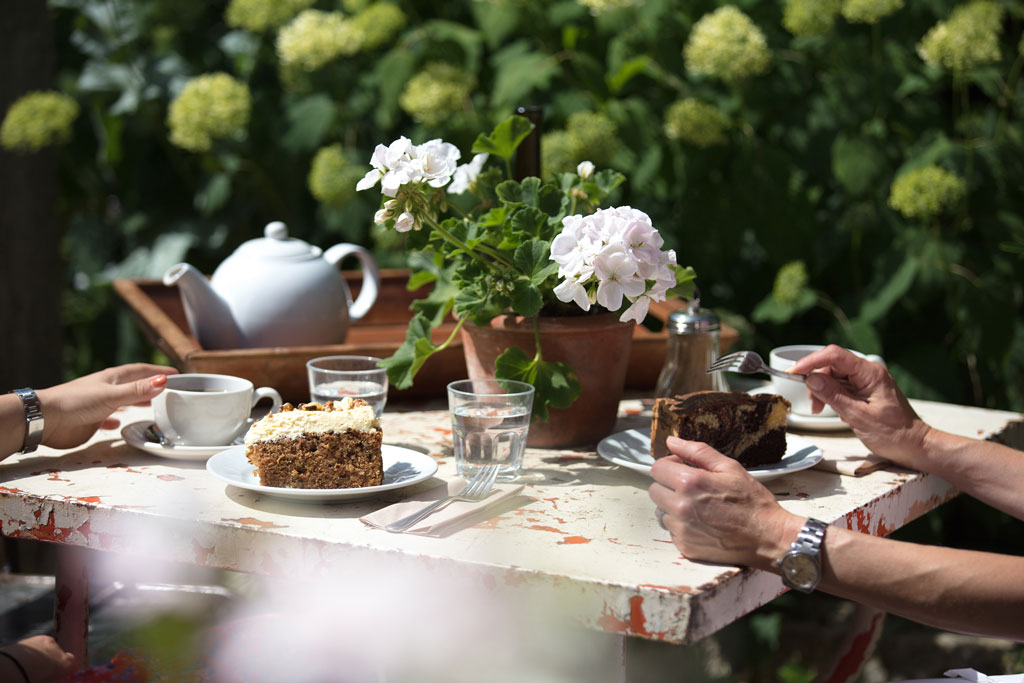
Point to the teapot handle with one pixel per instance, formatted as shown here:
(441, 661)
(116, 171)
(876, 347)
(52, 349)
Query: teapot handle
(371, 276)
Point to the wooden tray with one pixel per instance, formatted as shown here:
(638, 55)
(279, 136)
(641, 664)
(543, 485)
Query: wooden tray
(159, 312)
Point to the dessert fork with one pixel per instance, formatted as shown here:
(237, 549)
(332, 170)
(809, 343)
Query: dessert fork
(747, 362)
(476, 490)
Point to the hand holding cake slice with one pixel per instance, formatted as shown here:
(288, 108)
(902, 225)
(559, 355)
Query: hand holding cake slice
(332, 445)
(750, 429)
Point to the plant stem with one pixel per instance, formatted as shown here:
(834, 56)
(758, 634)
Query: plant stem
(536, 335)
(1008, 95)
(458, 243)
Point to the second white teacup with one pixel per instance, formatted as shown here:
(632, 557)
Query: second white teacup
(782, 357)
(198, 409)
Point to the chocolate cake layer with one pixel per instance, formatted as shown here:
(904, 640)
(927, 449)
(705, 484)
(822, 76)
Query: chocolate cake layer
(751, 429)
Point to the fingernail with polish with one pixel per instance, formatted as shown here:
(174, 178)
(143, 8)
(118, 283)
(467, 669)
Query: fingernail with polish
(815, 381)
(159, 380)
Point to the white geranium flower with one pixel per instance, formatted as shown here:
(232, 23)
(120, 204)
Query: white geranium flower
(571, 290)
(436, 160)
(392, 166)
(638, 311)
(405, 222)
(466, 174)
(620, 250)
(585, 169)
(616, 274)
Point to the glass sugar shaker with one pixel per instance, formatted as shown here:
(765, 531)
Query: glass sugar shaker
(692, 347)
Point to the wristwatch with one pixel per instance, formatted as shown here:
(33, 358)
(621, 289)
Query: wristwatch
(33, 419)
(801, 566)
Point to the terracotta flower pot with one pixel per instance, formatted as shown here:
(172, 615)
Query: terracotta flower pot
(596, 347)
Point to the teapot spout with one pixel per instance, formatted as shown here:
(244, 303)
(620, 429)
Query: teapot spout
(208, 314)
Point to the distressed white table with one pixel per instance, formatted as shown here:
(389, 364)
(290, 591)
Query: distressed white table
(582, 533)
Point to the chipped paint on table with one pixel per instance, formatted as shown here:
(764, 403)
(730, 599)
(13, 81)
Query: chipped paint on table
(582, 534)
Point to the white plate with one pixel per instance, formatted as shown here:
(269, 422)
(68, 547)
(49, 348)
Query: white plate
(815, 423)
(632, 449)
(402, 467)
(135, 436)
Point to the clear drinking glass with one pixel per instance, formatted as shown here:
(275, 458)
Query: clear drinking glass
(332, 378)
(490, 420)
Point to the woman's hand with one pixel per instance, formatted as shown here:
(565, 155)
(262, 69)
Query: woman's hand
(41, 657)
(877, 410)
(73, 411)
(716, 512)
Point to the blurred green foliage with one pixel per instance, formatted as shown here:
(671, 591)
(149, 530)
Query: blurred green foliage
(794, 128)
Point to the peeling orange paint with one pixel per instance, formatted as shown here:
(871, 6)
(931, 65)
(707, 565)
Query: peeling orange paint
(123, 467)
(252, 521)
(444, 430)
(573, 540)
(88, 499)
(635, 625)
(553, 501)
(633, 411)
(538, 527)
(170, 477)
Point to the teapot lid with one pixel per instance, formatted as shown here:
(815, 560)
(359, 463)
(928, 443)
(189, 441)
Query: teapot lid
(277, 245)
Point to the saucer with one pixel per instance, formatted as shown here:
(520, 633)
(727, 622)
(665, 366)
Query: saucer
(135, 436)
(632, 449)
(815, 423)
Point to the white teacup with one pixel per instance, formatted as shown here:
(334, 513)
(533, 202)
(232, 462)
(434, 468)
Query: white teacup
(795, 392)
(197, 409)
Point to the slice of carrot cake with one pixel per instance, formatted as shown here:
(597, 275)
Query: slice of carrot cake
(332, 445)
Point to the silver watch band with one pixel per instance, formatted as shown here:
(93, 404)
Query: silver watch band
(33, 419)
(810, 537)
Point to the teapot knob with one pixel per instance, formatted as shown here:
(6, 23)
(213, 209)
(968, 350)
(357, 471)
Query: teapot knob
(276, 231)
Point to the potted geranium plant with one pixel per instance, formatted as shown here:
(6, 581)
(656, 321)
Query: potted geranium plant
(521, 252)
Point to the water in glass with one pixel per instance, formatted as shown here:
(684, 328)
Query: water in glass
(373, 393)
(484, 434)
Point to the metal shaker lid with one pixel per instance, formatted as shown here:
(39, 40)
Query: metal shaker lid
(693, 320)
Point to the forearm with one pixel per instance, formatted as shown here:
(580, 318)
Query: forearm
(988, 471)
(955, 590)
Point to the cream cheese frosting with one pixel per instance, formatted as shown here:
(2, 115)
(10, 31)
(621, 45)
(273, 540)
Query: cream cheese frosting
(291, 424)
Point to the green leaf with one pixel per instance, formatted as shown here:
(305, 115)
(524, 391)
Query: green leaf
(526, 298)
(629, 69)
(214, 194)
(898, 285)
(408, 358)
(774, 311)
(856, 164)
(527, 220)
(533, 259)
(310, 118)
(555, 384)
(505, 138)
(686, 283)
(474, 302)
(420, 278)
(519, 70)
(606, 181)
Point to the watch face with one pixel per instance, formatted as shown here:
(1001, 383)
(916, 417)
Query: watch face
(800, 570)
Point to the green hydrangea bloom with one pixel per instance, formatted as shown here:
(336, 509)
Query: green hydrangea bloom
(969, 38)
(596, 136)
(926, 192)
(260, 15)
(790, 282)
(208, 107)
(559, 152)
(314, 38)
(869, 11)
(699, 123)
(810, 17)
(378, 24)
(353, 6)
(601, 6)
(38, 119)
(332, 177)
(436, 92)
(726, 44)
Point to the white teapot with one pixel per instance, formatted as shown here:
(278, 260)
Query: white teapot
(275, 291)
